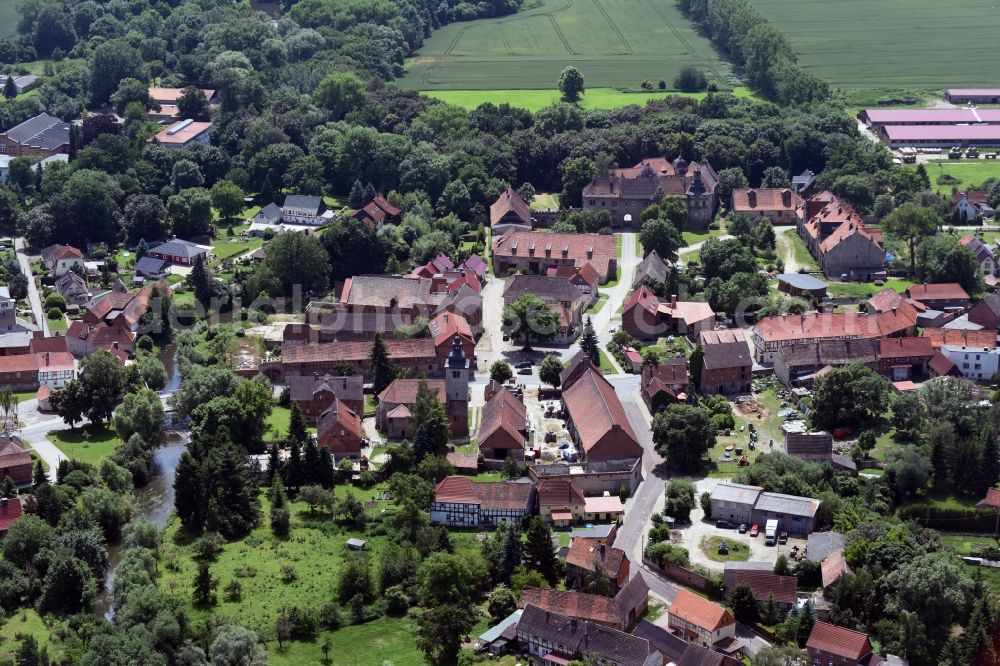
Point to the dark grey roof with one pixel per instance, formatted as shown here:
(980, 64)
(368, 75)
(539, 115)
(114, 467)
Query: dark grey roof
(696, 655)
(803, 180)
(150, 265)
(271, 212)
(177, 247)
(548, 288)
(303, 202)
(632, 595)
(821, 544)
(580, 636)
(303, 387)
(788, 504)
(669, 644)
(652, 266)
(802, 281)
(42, 131)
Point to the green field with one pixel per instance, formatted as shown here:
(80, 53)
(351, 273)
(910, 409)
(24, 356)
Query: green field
(8, 18)
(533, 100)
(971, 173)
(612, 42)
(891, 43)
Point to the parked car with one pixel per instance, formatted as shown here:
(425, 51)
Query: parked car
(743, 528)
(783, 537)
(842, 431)
(754, 530)
(524, 371)
(522, 364)
(723, 525)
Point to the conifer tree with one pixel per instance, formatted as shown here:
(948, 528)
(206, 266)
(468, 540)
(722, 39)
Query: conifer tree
(539, 554)
(273, 463)
(588, 343)
(383, 371)
(327, 475)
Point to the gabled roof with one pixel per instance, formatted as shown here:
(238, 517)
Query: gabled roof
(476, 264)
(510, 202)
(503, 495)
(339, 414)
(934, 291)
(670, 645)
(596, 412)
(548, 288)
(904, 347)
(845, 231)
(12, 452)
(178, 247)
(724, 349)
(957, 336)
(992, 499)
(151, 266)
(456, 490)
(387, 291)
(302, 388)
(839, 641)
(271, 212)
(652, 266)
(10, 510)
(404, 391)
(517, 243)
(765, 198)
(787, 504)
(833, 567)
(503, 412)
(766, 583)
(303, 202)
(356, 350)
(699, 611)
(583, 637)
(644, 298)
(446, 325)
(182, 132)
(593, 607)
(585, 552)
(559, 492)
(43, 131)
(726, 491)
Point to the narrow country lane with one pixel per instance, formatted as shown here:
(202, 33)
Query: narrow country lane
(20, 248)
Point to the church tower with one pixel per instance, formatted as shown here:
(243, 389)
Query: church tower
(699, 203)
(456, 381)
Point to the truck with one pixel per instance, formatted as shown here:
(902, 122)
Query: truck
(770, 532)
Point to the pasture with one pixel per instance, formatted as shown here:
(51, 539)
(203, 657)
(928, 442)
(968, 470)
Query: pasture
(533, 100)
(891, 43)
(8, 18)
(970, 173)
(612, 42)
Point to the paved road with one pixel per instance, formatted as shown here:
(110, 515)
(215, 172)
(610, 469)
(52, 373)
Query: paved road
(36, 436)
(697, 246)
(33, 297)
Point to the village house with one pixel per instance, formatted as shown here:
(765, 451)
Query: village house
(377, 212)
(298, 213)
(62, 258)
(940, 296)
(838, 238)
(803, 183)
(83, 339)
(151, 267)
(586, 553)
(665, 383)
(558, 293)
(618, 612)
(22, 82)
(536, 251)
(10, 511)
(645, 317)
(832, 567)
(315, 393)
(15, 461)
(625, 193)
(779, 205)
(594, 478)
(166, 99)
(181, 252)
(960, 337)
(986, 313)
(970, 206)
(985, 257)
(460, 502)
(652, 268)
(765, 584)
(596, 419)
(339, 430)
(680, 652)
(603, 508)
(444, 327)
(991, 501)
(798, 363)
(417, 356)
(830, 644)
(812, 445)
(503, 427)
(584, 278)
(699, 620)
(42, 135)
(726, 366)
(902, 359)
(394, 414)
(184, 133)
(795, 515)
(981, 363)
(552, 640)
(74, 289)
(560, 502)
(510, 211)
(734, 501)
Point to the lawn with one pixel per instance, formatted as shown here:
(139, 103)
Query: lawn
(545, 202)
(607, 367)
(87, 444)
(388, 639)
(791, 247)
(279, 420)
(21, 622)
(225, 249)
(598, 305)
(892, 43)
(970, 173)
(533, 100)
(618, 245)
(692, 237)
(738, 552)
(57, 324)
(866, 289)
(612, 42)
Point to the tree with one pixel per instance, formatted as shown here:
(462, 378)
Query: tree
(705, 500)
(186, 174)
(140, 413)
(112, 62)
(501, 372)
(101, 381)
(192, 104)
(204, 586)
(501, 603)
(316, 497)
(944, 259)
(340, 92)
(532, 318)
(577, 172)
(539, 554)
(683, 434)
(662, 236)
(731, 178)
(190, 212)
(68, 586)
(744, 604)
(908, 414)
(571, 85)
(770, 612)
(851, 394)
(690, 79)
(726, 258)
(911, 223)
(589, 344)
(70, 403)
(785, 655)
(383, 371)
(441, 630)
(88, 208)
(26, 537)
(236, 646)
(598, 582)
(227, 197)
(679, 499)
(10, 88)
(295, 260)
(550, 370)
(908, 468)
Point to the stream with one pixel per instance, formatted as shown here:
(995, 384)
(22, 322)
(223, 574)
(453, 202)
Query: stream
(155, 500)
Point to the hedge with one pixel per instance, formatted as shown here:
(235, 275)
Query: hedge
(950, 520)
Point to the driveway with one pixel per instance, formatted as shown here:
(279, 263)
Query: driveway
(24, 261)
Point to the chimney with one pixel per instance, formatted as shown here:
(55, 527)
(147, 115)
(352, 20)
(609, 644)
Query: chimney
(590, 252)
(752, 198)
(786, 198)
(603, 548)
(115, 344)
(3, 503)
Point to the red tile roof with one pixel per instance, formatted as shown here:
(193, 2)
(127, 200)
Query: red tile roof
(835, 325)
(456, 490)
(593, 607)
(356, 350)
(559, 492)
(584, 552)
(765, 583)
(839, 641)
(55, 343)
(510, 201)
(404, 391)
(596, 412)
(447, 325)
(646, 299)
(941, 365)
(9, 513)
(18, 363)
(833, 567)
(992, 498)
(936, 291)
(12, 453)
(956, 336)
(699, 611)
(517, 243)
(848, 229)
(904, 347)
(504, 495)
(767, 199)
(340, 415)
(503, 412)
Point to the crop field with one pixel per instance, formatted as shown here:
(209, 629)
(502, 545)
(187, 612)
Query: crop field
(8, 18)
(612, 42)
(891, 43)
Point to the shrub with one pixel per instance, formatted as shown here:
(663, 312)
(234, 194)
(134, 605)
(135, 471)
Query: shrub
(54, 313)
(664, 554)
(55, 300)
(208, 546)
(396, 601)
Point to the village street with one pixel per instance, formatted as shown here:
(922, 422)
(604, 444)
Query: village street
(34, 299)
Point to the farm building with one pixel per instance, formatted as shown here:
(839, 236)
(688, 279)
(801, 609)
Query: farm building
(877, 118)
(939, 136)
(801, 284)
(775, 204)
(973, 95)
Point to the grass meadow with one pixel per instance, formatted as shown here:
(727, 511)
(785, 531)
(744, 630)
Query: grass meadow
(8, 18)
(533, 100)
(892, 43)
(87, 444)
(612, 42)
(970, 173)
